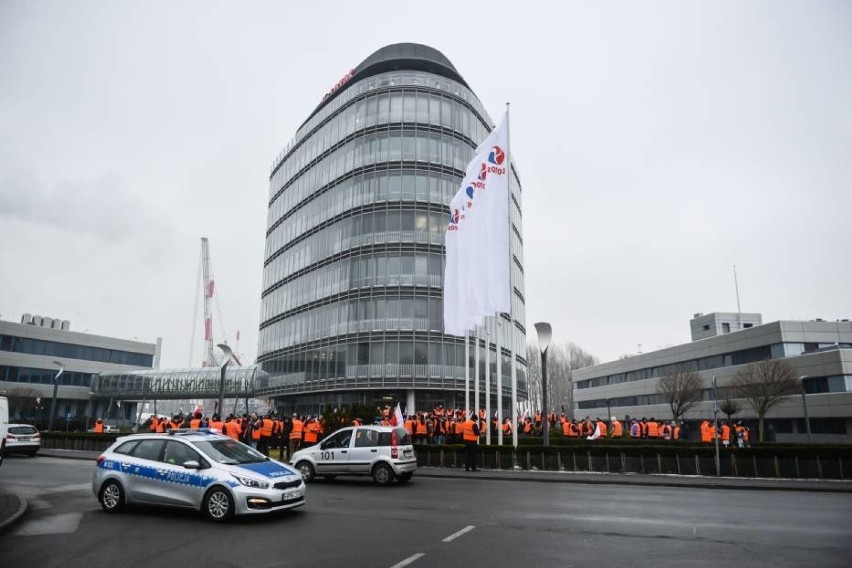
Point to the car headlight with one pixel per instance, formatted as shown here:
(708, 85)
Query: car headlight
(251, 482)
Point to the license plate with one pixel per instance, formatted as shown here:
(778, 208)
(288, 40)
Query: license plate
(24, 438)
(406, 453)
(291, 494)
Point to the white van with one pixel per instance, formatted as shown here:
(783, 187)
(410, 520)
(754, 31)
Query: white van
(4, 425)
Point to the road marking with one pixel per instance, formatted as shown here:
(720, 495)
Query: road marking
(454, 536)
(409, 560)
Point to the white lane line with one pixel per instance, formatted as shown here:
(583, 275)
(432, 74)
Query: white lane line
(454, 536)
(409, 560)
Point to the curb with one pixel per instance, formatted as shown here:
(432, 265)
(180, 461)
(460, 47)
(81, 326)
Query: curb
(758, 485)
(13, 518)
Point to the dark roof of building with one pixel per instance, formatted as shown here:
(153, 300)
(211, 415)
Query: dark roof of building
(398, 57)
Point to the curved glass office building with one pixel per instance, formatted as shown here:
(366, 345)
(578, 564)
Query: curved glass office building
(351, 308)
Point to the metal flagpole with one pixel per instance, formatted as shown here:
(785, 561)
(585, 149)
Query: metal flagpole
(475, 409)
(499, 331)
(511, 334)
(487, 384)
(466, 372)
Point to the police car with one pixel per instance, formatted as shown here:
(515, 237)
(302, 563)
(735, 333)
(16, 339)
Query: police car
(195, 469)
(383, 452)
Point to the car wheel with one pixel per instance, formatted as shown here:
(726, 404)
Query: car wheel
(382, 474)
(111, 496)
(405, 477)
(218, 505)
(307, 471)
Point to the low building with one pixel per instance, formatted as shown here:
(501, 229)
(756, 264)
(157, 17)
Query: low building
(819, 351)
(31, 353)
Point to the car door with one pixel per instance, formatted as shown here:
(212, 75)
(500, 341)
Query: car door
(364, 450)
(177, 484)
(139, 471)
(333, 454)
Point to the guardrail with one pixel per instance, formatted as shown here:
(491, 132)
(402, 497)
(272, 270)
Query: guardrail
(810, 463)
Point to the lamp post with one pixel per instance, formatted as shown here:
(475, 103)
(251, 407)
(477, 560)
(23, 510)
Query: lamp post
(55, 389)
(716, 427)
(545, 333)
(805, 405)
(228, 356)
(608, 409)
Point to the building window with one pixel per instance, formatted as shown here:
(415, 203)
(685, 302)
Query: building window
(706, 327)
(726, 328)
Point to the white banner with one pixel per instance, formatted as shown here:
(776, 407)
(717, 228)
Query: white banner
(477, 279)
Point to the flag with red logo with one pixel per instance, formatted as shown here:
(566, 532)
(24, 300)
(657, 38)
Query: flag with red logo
(396, 418)
(477, 274)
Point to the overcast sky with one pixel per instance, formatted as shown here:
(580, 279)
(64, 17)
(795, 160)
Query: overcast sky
(659, 144)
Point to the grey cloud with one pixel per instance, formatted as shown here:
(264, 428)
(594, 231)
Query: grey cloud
(101, 207)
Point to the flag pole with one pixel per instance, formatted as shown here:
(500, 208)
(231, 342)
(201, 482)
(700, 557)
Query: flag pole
(475, 409)
(499, 331)
(487, 384)
(511, 333)
(466, 370)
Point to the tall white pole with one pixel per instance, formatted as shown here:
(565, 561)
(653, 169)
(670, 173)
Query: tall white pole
(511, 334)
(466, 371)
(499, 331)
(487, 383)
(475, 409)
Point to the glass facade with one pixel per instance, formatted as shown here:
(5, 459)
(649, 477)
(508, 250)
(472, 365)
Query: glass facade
(351, 307)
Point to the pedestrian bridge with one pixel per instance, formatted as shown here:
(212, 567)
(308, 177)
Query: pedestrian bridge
(174, 384)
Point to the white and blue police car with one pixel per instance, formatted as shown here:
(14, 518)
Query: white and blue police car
(195, 469)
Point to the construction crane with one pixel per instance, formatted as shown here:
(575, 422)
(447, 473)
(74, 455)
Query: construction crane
(205, 284)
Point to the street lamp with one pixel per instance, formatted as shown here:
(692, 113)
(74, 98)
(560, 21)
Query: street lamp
(805, 405)
(228, 356)
(55, 388)
(545, 333)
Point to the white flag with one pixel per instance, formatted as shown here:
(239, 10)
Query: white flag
(477, 275)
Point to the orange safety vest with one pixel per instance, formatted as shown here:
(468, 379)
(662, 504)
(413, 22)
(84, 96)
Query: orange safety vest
(255, 431)
(566, 429)
(216, 425)
(154, 423)
(468, 434)
(421, 428)
(195, 423)
(617, 430)
(266, 429)
(296, 432)
(507, 428)
(726, 433)
(706, 432)
(161, 426)
(232, 429)
(653, 429)
(99, 427)
(311, 432)
(601, 425)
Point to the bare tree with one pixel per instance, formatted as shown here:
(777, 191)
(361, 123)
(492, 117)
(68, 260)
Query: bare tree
(764, 384)
(21, 399)
(681, 391)
(730, 407)
(562, 360)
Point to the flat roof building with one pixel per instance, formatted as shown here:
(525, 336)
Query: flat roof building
(820, 353)
(352, 294)
(30, 354)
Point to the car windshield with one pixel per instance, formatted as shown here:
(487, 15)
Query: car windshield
(229, 452)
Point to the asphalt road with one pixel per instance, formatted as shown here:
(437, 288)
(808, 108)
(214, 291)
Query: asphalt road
(447, 522)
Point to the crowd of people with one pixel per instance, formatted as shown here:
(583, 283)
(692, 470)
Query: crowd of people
(443, 426)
